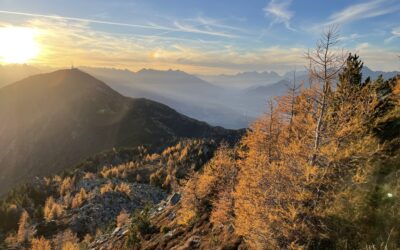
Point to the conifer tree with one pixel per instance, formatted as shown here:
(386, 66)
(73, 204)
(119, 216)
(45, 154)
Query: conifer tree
(23, 228)
(351, 73)
(325, 65)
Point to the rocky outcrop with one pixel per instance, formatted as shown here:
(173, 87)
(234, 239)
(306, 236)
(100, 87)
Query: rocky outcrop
(101, 209)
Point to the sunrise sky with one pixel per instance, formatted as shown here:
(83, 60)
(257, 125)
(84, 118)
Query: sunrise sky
(202, 37)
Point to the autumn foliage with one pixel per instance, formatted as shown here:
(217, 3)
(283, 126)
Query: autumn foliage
(282, 190)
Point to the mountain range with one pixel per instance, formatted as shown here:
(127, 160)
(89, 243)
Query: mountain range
(186, 93)
(231, 101)
(243, 80)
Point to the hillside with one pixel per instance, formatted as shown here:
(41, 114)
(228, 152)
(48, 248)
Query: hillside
(349, 199)
(56, 119)
(86, 199)
(262, 191)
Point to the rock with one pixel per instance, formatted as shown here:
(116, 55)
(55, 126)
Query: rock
(171, 216)
(100, 209)
(116, 230)
(192, 243)
(175, 198)
(170, 233)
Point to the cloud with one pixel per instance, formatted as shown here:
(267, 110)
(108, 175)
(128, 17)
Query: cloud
(362, 46)
(363, 11)
(377, 58)
(279, 12)
(214, 23)
(78, 43)
(207, 26)
(67, 41)
(395, 33)
(56, 17)
(178, 27)
(351, 37)
(193, 29)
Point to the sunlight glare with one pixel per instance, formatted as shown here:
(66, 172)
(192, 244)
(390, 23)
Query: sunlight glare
(18, 44)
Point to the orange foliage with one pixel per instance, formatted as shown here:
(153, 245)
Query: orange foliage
(40, 244)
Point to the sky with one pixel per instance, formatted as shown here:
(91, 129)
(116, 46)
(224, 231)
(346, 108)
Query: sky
(202, 37)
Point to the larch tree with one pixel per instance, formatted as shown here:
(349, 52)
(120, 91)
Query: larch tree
(210, 191)
(23, 233)
(40, 244)
(287, 103)
(325, 64)
(274, 193)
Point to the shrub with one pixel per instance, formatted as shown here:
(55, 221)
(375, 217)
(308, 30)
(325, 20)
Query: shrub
(122, 218)
(165, 229)
(108, 187)
(79, 198)
(52, 210)
(67, 185)
(123, 188)
(140, 226)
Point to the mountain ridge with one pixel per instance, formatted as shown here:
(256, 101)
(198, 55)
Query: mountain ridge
(59, 118)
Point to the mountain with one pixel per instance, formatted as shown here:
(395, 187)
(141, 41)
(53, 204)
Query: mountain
(54, 120)
(186, 93)
(221, 100)
(243, 80)
(375, 74)
(277, 88)
(172, 81)
(256, 97)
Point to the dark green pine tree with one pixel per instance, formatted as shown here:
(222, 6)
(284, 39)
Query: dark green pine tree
(348, 87)
(351, 73)
(350, 79)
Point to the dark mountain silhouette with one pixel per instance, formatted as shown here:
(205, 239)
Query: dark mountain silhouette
(53, 120)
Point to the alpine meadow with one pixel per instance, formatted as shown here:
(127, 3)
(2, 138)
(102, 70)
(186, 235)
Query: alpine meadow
(185, 125)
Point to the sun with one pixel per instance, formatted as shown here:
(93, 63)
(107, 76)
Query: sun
(18, 44)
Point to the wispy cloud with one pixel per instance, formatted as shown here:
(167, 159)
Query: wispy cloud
(178, 27)
(279, 12)
(395, 33)
(86, 20)
(377, 58)
(206, 26)
(193, 29)
(363, 10)
(214, 23)
(351, 37)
